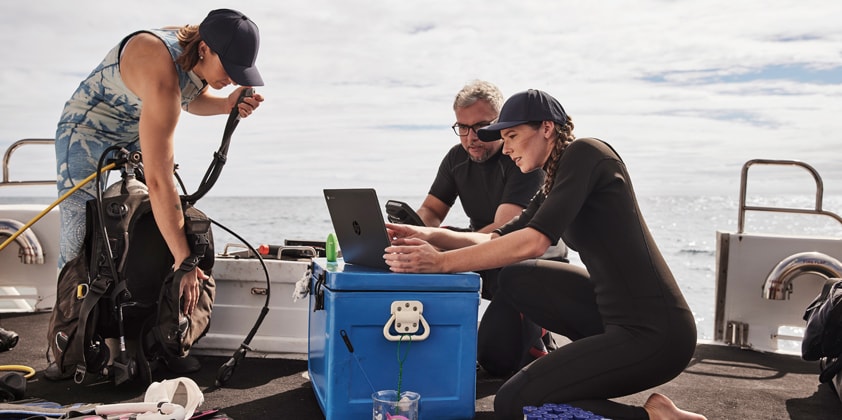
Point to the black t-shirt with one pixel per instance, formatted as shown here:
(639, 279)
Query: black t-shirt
(482, 187)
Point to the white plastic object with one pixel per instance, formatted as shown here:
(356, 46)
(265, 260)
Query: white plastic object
(144, 410)
(406, 318)
(170, 399)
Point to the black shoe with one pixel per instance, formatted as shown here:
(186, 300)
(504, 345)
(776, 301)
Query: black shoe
(8, 340)
(182, 365)
(53, 373)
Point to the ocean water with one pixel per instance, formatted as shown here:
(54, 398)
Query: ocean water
(684, 227)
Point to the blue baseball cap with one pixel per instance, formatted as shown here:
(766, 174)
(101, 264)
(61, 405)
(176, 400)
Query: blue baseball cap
(235, 39)
(521, 108)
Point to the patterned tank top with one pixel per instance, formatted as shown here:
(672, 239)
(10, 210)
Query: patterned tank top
(103, 112)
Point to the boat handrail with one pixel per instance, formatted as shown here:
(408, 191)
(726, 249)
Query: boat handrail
(819, 192)
(8, 155)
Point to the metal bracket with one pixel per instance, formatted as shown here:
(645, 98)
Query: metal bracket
(406, 318)
(737, 335)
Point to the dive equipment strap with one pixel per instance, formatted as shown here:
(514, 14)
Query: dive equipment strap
(221, 155)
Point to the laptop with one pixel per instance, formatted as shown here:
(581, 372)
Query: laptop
(359, 225)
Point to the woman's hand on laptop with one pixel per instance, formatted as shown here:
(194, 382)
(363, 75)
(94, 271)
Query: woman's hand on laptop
(412, 255)
(401, 231)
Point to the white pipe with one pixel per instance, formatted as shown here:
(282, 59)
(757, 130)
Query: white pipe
(31, 251)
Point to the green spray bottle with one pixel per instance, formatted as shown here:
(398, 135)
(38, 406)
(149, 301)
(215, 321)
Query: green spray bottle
(330, 247)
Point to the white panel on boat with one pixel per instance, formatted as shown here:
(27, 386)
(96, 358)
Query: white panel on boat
(741, 275)
(29, 287)
(239, 298)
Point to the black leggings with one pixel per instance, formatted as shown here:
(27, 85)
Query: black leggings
(506, 335)
(602, 362)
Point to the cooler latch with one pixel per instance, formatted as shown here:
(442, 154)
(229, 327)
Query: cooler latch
(407, 317)
(318, 293)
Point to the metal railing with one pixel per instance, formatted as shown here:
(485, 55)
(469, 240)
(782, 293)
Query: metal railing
(819, 192)
(8, 155)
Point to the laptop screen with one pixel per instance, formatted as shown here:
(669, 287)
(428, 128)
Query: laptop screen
(359, 225)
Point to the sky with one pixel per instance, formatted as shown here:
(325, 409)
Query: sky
(359, 93)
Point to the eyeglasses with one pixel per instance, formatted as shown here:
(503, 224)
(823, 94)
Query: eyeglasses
(464, 130)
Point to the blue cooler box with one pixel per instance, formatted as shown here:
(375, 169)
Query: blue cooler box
(427, 320)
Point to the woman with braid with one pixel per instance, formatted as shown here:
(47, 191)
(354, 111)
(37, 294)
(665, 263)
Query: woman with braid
(629, 325)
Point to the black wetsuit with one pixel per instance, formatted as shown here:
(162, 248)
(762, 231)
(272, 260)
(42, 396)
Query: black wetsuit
(482, 187)
(630, 325)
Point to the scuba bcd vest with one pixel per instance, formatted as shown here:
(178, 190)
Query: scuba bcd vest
(123, 286)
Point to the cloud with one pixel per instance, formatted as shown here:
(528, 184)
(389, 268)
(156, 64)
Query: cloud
(679, 87)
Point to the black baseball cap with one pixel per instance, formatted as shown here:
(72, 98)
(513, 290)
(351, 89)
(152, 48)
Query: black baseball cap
(521, 108)
(235, 39)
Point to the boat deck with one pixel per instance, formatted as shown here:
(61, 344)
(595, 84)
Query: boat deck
(720, 382)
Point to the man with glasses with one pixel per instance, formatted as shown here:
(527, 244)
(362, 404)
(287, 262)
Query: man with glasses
(490, 187)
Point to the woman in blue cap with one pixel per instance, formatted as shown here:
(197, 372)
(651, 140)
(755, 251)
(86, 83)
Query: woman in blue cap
(134, 99)
(630, 326)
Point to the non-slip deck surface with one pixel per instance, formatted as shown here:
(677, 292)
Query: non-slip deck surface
(720, 382)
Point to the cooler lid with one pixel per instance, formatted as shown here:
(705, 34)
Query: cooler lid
(351, 277)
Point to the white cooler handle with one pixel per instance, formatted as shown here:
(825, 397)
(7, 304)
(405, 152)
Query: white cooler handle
(407, 316)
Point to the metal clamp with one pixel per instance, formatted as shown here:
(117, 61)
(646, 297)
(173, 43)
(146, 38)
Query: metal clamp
(737, 335)
(407, 316)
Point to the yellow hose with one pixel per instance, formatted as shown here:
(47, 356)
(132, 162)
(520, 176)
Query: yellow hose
(29, 372)
(55, 203)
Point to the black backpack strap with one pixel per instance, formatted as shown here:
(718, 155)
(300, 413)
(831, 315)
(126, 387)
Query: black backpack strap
(90, 293)
(96, 290)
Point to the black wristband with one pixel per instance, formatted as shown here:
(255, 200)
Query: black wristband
(189, 263)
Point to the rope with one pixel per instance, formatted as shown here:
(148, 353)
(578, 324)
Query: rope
(55, 203)
(401, 360)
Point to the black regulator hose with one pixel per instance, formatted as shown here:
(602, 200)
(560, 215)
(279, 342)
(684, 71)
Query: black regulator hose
(227, 369)
(221, 155)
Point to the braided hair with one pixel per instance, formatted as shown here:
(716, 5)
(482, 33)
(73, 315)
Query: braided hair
(564, 136)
